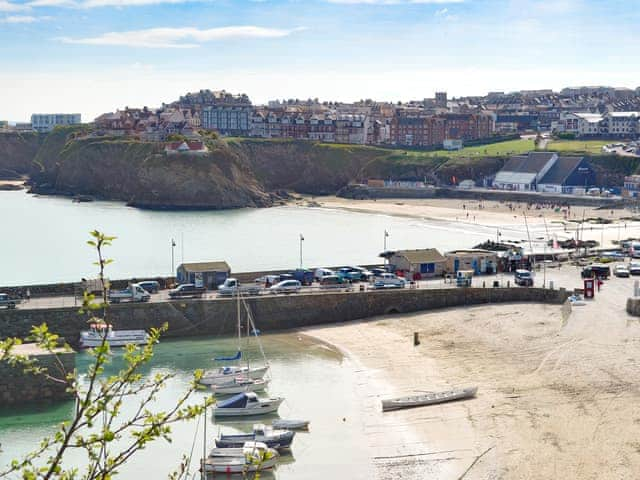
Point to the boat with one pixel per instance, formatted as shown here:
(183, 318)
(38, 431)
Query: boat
(226, 373)
(271, 437)
(252, 457)
(239, 385)
(290, 424)
(246, 404)
(116, 338)
(430, 398)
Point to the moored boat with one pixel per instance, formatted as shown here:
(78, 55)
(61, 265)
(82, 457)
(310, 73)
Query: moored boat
(290, 424)
(246, 404)
(239, 385)
(430, 398)
(271, 437)
(252, 457)
(225, 374)
(116, 338)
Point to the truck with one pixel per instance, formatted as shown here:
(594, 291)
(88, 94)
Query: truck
(231, 286)
(133, 293)
(8, 302)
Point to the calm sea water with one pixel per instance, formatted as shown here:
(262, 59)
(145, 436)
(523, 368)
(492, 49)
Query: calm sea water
(318, 385)
(44, 240)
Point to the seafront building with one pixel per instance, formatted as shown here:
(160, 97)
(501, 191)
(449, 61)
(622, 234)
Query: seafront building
(46, 122)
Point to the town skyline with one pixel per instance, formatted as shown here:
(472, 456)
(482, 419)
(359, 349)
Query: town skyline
(90, 56)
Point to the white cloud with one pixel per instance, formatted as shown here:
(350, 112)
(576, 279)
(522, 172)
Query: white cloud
(6, 6)
(185, 37)
(22, 19)
(441, 12)
(101, 3)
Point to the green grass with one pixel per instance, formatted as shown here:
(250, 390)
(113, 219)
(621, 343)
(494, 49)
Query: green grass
(593, 147)
(500, 149)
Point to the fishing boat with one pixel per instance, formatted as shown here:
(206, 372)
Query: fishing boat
(239, 385)
(430, 398)
(271, 437)
(252, 457)
(290, 424)
(225, 374)
(116, 338)
(246, 404)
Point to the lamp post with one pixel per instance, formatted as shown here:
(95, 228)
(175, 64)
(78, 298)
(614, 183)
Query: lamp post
(173, 264)
(301, 240)
(386, 235)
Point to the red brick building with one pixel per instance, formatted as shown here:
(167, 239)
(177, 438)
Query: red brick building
(419, 129)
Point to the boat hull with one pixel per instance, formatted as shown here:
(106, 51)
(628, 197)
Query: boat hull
(291, 424)
(280, 440)
(428, 399)
(117, 338)
(233, 388)
(262, 407)
(217, 378)
(236, 464)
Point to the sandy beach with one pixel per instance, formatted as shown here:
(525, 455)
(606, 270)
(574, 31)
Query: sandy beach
(506, 217)
(558, 393)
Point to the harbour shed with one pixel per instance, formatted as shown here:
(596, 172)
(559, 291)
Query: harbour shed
(416, 264)
(480, 261)
(203, 274)
(567, 174)
(523, 172)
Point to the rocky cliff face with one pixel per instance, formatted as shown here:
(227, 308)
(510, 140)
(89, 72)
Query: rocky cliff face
(17, 151)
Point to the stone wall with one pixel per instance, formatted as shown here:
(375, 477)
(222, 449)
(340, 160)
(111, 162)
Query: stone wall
(218, 317)
(18, 387)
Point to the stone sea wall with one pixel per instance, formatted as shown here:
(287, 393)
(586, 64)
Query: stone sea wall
(218, 317)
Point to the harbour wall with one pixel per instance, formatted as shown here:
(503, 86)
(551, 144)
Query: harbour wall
(218, 317)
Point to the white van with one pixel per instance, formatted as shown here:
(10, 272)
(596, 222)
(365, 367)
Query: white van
(320, 273)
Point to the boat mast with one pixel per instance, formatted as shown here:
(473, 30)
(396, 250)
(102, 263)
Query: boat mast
(238, 315)
(203, 476)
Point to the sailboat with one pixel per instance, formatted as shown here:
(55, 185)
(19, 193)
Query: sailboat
(227, 374)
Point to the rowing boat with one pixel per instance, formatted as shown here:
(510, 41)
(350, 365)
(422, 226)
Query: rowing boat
(430, 398)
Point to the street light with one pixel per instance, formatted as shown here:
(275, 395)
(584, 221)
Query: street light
(386, 235)
(301, 240)
(173, 264)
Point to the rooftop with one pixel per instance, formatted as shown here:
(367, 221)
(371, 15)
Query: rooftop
(220, 266)
(426, 255)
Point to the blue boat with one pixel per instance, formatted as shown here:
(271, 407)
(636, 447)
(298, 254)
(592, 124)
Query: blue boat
(261, 433)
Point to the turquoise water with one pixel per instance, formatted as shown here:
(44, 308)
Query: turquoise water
(317, 382)
(44, 241)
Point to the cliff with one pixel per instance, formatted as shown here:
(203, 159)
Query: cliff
(235, 173)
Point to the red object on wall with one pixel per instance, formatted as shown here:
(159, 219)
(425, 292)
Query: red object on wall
(589, 288)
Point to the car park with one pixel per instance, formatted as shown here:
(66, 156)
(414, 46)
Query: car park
(621, 271)
(286, 286)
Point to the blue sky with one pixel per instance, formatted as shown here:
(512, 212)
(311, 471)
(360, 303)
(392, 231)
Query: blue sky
(91, 56)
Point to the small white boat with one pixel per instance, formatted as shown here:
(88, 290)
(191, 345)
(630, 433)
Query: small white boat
(290, 424)
(430, 398)
(246, 404)
(252, 457)
(116, 338)
(224, 375)
(239, 385)
(271, 437)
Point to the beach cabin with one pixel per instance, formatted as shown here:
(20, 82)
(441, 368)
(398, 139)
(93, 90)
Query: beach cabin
(417, 264)
(479, 261)
(203, 274)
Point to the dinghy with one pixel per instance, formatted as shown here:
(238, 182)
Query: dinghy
(246, 404)
(290, 424)
(252, 457)
(239, 385)
(269, 436)
(116, 338)
(430, 398)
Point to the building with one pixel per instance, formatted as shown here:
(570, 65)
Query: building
(581, 124)
(416, 264)
(545, 172)
(416, 128)
(441, 99)
(522, 172)
(195, 147)
(631, 186)
(480, 261)
(203, 274)
(45, 122)
(622, 124)
(227, 119)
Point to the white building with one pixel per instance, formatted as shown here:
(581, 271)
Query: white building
(581, 124)
(622, 124)
(523, 172)
(45, 122)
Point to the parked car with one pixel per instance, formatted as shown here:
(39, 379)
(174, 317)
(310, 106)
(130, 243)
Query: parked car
(8, 302)
(378, 271)
(389, 280)
(286, 286)
(232, 285)
(347, 274)
(187, 290)
(268, 279)
(304, 276)
(150, 286)
(361, 273)
(621, 271)
(596, 270)
(133, 293)
(524, 278)
(333, 281)
(320, 273)
(634, 268)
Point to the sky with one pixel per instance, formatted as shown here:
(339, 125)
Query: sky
(94, 56)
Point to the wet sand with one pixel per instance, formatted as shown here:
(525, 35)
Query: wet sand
(558, 395)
